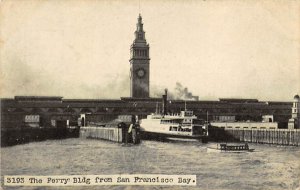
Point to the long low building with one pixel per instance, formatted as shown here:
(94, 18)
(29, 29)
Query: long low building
(246, 125)
(15, 110)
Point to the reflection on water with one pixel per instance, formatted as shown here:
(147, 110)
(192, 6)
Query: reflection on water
(269, 167)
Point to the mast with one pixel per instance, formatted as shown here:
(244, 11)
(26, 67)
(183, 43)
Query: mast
(206, 116)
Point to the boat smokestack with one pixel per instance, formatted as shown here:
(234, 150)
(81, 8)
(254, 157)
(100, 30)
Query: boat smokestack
(164, 102)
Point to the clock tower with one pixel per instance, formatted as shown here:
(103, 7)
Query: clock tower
(139, 63)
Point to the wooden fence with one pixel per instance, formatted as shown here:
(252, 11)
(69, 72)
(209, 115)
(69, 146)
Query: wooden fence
(269, 136)
(111, 134)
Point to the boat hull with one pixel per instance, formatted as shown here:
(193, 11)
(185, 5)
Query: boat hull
(228, 151)
(164, 136)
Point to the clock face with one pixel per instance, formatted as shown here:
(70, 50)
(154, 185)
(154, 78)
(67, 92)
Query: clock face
(140, 72)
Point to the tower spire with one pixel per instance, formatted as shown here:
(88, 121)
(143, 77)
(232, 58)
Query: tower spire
(139, 33)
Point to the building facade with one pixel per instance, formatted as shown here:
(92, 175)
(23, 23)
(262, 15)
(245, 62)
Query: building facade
(15, 110)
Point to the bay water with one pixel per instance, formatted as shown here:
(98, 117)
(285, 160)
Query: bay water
(268, 167)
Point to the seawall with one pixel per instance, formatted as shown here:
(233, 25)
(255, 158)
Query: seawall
(21, 135)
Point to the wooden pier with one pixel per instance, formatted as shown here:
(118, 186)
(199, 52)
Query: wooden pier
(123, 129)
(111, 134)
(287, 137)
(121, 133)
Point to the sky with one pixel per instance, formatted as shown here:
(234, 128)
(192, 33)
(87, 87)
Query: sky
(216, 49)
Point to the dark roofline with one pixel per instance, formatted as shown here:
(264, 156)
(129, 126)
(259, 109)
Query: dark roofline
(34, 98)
(140, 99)
(91, 100)
(278, 102)
(242, 100)
(130, 99)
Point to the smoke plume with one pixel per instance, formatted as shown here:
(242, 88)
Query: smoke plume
(178, 93)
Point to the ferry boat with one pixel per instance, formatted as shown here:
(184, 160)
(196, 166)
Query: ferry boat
(230, 148)
(184, 126)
